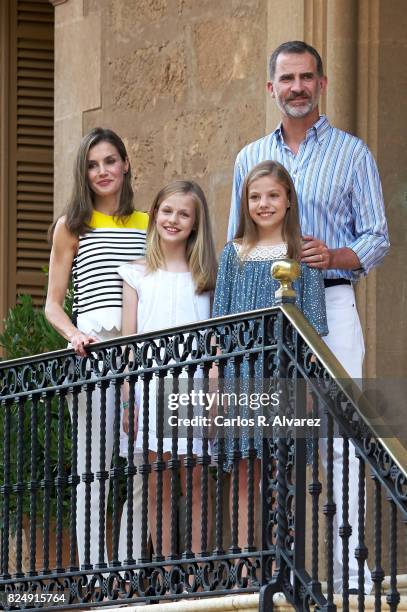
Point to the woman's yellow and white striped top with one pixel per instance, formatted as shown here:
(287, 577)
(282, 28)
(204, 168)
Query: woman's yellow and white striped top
(109, 243)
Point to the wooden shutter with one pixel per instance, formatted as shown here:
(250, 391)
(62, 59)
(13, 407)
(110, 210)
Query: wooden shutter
(31, 144)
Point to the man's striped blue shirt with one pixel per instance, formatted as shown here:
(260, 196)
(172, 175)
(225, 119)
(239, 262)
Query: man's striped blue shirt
(338, 187)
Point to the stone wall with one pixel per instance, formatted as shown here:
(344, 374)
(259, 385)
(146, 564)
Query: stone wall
(181, 81)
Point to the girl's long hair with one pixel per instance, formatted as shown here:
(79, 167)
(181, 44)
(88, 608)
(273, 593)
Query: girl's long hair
(247, 232)
(200, 250)
(81, 204)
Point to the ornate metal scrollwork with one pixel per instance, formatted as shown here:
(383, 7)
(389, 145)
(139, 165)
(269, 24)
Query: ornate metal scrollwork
(266, 337)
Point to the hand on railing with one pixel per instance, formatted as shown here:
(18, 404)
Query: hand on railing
(80, 341)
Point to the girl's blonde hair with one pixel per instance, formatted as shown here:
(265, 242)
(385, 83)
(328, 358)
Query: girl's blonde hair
(247, 229)
(200, 250)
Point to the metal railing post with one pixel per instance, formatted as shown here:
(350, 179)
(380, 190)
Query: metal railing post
(274, 570)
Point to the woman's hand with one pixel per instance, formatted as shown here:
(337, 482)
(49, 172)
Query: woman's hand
(80, 341)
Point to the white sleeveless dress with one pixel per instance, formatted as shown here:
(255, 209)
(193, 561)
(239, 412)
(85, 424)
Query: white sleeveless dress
(165, 299)
(97, 310)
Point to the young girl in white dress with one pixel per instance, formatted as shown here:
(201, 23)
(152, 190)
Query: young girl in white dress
(171, 286)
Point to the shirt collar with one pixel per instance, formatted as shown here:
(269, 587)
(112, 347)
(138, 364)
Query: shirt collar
(320, 129)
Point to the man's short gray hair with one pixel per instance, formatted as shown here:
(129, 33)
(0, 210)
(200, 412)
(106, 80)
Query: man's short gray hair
(295, 46)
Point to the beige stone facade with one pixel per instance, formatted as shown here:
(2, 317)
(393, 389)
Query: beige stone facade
(183, 82)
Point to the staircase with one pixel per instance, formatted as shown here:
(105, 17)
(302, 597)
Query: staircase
(250, 603)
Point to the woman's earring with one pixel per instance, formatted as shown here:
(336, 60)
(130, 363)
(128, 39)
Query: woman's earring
(289, 204)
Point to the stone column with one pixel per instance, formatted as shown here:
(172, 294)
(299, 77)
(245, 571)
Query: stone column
(344, 32)
(366, 104)
(77, 86)
(351, 105)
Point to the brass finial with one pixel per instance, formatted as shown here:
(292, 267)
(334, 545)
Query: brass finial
(285, 271)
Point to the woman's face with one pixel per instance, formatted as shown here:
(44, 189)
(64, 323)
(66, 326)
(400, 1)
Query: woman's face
(106, 169)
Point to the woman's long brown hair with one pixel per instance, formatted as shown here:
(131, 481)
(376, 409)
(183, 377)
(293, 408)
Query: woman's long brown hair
(80, 207)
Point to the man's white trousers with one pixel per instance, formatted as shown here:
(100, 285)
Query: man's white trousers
(345, 339)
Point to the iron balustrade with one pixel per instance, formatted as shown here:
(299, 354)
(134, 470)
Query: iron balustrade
(40, 472)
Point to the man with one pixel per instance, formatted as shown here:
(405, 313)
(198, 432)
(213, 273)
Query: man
(342, 219)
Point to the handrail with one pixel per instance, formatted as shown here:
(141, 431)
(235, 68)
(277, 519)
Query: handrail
(150, 335)
(366, 411)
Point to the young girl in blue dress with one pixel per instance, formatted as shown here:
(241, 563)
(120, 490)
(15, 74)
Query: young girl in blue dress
(268, 230)
(171, 286)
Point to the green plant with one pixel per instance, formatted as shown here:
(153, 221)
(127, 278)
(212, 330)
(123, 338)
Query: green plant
(27, 332)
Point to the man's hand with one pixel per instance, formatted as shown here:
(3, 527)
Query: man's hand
(315, 253)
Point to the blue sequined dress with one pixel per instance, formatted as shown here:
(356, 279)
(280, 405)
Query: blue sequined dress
(248, 285)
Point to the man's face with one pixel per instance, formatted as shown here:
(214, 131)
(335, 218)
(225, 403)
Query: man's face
(296, 85)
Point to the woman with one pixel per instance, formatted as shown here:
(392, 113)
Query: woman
(99, 231)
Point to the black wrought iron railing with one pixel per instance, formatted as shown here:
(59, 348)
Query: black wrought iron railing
(186, 516)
